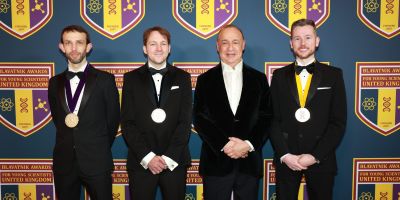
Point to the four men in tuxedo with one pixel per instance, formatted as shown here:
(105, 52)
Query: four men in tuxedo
(309, 104)
(156, 122)
(232, 112)
(231, 115)
(85, 110)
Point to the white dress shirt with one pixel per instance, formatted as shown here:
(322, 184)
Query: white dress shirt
(171, 164)
(233, 80)
(74, 82)
(157, 78)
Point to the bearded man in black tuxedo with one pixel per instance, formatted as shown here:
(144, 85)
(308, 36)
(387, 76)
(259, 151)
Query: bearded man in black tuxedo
(309, 103)
(84, 105)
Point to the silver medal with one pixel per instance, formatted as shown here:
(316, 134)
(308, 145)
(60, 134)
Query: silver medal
(158, 115)
(302, 114)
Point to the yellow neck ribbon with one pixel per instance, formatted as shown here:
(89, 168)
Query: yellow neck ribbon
(303, 95)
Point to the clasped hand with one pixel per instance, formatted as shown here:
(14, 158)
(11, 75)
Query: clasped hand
(236, 148)
(157, 165)
(299, 162)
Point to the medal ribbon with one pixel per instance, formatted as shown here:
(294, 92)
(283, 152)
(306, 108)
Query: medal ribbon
(73, 100)
(303, 95)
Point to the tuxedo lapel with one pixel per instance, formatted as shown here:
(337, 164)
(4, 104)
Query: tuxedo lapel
(316, 79)
(148, 84)
(166, 84)
(291, 81)
(89, 86)
(61, 92)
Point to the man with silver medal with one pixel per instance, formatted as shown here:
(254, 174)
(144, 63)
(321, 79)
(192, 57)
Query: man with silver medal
(309, 103)
(84, 105)
(156, 121)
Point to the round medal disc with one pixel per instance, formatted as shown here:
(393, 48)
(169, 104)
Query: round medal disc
(302, 114)
(158, 115)
(71, 120)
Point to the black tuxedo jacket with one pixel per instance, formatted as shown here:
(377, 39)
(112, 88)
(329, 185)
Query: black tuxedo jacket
(215, 122)
(326, 101)
(142, 134)
(91, 140)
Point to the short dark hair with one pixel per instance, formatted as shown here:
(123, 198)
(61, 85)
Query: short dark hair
(230, 26)
(303, 22)
(75, 28)
(164, 32)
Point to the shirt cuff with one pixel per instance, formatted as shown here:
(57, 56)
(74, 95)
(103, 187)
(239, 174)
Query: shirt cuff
(284, 157)
(250, 145)
(171, 164)
(145, 161)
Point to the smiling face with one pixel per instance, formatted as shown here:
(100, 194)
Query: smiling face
(75, 47)
(157, 49)
(304, 42)
(230, 46)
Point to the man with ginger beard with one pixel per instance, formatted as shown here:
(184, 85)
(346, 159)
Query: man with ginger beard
(309, 103)
(231, 116)
(84, 105)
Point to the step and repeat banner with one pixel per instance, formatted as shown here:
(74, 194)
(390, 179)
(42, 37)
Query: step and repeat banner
(359, 36)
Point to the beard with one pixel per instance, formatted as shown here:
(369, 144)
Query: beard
(76, 59)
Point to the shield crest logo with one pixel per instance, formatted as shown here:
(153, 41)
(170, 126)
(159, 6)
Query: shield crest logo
(282, 13)
(204, 18)
(22, 18)
(24, 107)
(112, 18)
(383, 17)
(378, 95)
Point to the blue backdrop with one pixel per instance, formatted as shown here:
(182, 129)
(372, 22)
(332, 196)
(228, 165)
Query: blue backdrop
(345, 40)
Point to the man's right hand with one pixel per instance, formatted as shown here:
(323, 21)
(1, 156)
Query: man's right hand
(157, 165)
(292, 161)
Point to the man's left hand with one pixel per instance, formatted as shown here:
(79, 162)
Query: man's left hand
(307, 160)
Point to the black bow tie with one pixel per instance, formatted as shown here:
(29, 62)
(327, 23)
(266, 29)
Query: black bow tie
(309, 68)
(71, 75)
(158, 71)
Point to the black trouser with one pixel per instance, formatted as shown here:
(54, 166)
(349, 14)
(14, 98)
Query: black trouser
(319, 185)
(242, 186)
(68, 185)
(143, 184)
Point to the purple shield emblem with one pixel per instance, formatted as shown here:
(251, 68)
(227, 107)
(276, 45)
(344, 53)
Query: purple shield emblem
(22, 18)
(378, 95)
(112, 18)
(204, 18)
(24, 107)
(282, 13)
(383, 17)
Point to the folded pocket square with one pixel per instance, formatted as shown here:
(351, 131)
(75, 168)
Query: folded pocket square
(323, 88)
(174, 87)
